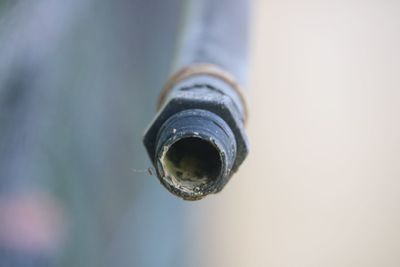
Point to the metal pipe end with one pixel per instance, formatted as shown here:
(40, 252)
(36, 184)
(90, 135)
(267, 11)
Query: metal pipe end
(195, 152)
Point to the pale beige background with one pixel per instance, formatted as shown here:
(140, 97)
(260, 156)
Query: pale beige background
(322, 184)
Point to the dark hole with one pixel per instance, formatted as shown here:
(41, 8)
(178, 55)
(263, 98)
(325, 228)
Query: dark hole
(193, 162)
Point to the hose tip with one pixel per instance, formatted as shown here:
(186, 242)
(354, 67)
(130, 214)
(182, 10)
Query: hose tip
(194, 154)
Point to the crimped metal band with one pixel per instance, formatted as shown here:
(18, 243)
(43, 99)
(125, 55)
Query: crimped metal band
(207, 69)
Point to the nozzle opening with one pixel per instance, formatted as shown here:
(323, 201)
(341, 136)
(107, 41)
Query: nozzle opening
(192, 162)
(195, 151)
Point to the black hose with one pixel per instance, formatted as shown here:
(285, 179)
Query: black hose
(197, 140)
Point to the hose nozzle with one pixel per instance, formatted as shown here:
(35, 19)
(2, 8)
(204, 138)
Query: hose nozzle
(197, 140)
(195, 152)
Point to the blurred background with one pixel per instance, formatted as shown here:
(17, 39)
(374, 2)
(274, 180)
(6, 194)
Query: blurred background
(79, 81)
